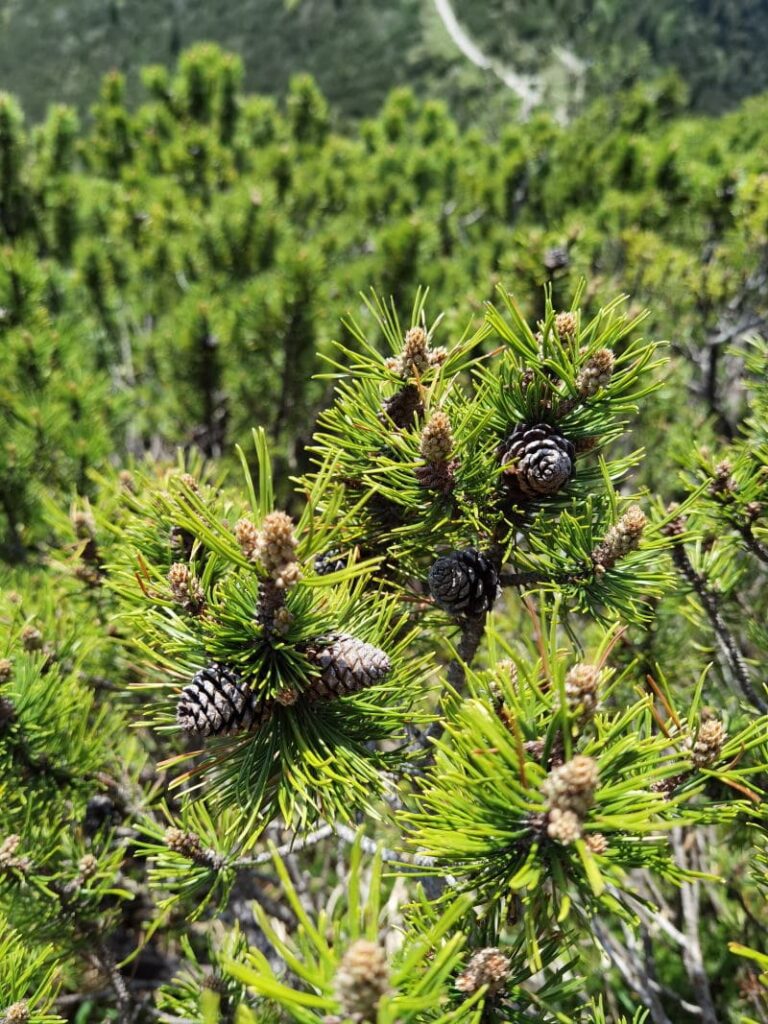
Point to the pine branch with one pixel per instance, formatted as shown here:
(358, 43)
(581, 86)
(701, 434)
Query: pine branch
(728, 643)
(293, 846)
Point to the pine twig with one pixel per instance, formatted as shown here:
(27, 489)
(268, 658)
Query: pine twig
(292, 846)
(106, 963)
(472, 630)
(527, 579)
(753, 543)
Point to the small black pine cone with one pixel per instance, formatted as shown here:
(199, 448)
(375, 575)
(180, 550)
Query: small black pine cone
(218, 703)
(347, 665)
(330, 561)
(464, 583)
(537, 459)
(556, 258)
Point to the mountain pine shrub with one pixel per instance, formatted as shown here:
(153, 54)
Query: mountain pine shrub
(473, 730)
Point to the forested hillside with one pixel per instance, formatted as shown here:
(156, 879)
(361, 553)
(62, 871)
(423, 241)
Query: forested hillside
(712, 44)
(174, 270)
(358, 51)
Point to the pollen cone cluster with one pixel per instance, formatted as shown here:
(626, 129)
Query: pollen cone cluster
(361, 981)
(709, 742)
(596, 373)
(189, 845)
(273, 546)
(570, 791)
(487, 967)
(417, 355)
(436, 447)
(581, 690)
(185, 588)
(620, 539)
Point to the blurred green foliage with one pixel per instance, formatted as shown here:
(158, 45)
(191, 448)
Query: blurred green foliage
(172, 273)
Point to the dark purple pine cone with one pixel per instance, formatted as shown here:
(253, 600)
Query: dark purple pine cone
(401, 408)
(464, 583)
(218, 703)
(537, 459)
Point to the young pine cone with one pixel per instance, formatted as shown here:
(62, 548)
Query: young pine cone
(464, 583)
(537, 459)
(347, 665)
(402, 407)
(218, 703)
(361, 981)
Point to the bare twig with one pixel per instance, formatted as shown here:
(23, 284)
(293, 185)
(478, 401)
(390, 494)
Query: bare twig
(638, 980)
(692, 956)
(294, 845)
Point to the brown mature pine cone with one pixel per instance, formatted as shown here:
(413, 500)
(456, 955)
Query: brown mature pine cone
(537, 459)
(218, 703)
(347, 665)
(464, 583)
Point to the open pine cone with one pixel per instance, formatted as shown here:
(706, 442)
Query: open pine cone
(347, 665)
(537, 459)
(218, 703)
(464, 583)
